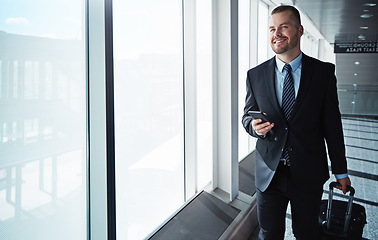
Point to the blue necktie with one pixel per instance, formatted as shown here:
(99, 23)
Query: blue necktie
(288, 94)
(288, 100)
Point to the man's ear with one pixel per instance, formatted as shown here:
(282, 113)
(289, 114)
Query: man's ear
(301, 30)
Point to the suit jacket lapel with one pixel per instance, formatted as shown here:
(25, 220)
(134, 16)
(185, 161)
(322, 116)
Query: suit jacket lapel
(306, 75)
(269, 75)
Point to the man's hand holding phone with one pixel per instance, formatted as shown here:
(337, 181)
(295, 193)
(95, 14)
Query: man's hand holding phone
(260, 122)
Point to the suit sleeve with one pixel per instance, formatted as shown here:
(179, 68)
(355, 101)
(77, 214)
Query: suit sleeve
(333, 127)
(250, 105)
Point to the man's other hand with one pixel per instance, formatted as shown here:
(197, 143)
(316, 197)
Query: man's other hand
(344, 182)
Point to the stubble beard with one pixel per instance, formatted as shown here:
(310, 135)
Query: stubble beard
(289, 45)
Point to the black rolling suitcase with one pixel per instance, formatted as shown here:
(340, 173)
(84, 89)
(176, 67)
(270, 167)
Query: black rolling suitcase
(341, 220)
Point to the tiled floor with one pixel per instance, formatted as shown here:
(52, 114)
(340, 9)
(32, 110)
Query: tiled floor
(361, 139)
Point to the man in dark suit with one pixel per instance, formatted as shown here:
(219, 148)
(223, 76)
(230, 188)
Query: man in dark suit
(301, 104)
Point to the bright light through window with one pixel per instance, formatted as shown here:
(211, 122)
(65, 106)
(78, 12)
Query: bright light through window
(204, 93)
(148, 82)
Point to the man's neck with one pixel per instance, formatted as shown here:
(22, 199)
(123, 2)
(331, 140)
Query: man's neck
(288, 56)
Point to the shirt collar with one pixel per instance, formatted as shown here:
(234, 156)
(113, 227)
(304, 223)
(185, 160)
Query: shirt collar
(293, 64)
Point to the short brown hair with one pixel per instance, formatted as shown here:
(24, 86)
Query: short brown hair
(294, 12)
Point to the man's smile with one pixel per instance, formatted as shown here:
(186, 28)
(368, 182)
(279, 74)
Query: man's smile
(278, 41)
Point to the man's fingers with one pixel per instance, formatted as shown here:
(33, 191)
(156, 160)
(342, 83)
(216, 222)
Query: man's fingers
(263, 128)
(342, 188)
(344, 183)
(345, 189)
(257, 122)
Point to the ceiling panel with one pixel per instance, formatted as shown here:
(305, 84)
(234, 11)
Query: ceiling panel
(340, 21)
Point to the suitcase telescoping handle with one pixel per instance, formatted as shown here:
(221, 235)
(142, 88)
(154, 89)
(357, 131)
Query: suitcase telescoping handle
(349, 208)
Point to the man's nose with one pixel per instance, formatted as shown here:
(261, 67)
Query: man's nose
(277, 33)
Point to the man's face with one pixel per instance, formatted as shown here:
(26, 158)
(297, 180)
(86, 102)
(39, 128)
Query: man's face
(284, 33)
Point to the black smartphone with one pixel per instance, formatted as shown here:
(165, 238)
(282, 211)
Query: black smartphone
(258, 115)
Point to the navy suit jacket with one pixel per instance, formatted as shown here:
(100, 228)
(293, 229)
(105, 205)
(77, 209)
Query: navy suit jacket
(315, 122)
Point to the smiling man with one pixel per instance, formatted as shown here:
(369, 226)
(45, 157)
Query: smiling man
(298, 95)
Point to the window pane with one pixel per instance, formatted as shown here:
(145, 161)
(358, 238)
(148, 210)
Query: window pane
(243, 68)
(263, 43)
(148, 82)
(204, 93)
(42, 120)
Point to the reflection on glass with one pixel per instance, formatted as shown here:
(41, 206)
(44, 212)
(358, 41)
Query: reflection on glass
(148, 82)
(358, 99)
(42, 120)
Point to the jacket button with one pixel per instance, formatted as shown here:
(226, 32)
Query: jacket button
(290, 149)
(286, 128)
(276, 139)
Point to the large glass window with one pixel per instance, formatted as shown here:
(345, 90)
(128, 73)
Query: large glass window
(244, 65)
(263, 40)
(148, 80)
(309, 44)
(204, 93)
(43, 120)
(247, 59)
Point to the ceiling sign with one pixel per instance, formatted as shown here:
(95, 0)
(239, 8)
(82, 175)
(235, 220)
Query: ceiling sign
(371, 47)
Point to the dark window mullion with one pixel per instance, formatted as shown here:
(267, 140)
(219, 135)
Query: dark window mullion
(110, 141)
